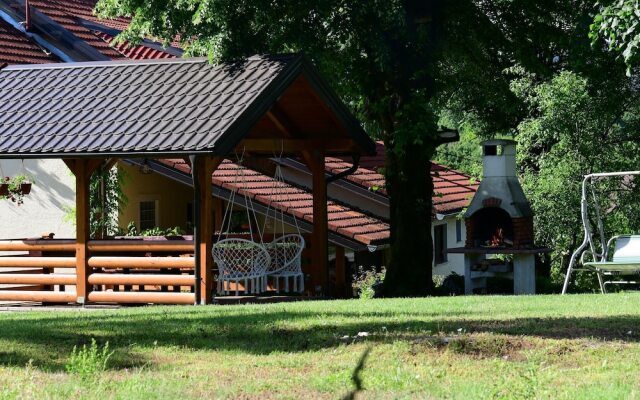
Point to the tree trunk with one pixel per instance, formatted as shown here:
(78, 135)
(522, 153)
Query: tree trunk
(410, 190)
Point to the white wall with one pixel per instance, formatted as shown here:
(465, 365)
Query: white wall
(455, 262)
(45, 207)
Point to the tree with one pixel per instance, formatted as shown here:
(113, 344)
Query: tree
(578, 115)
(398, 63)
(617, 24)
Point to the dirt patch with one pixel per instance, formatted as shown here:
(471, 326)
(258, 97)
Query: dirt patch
(476, 346)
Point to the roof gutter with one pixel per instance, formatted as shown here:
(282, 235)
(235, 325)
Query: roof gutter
(346, 172)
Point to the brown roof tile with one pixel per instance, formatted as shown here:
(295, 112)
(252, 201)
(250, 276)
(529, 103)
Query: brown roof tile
(16, 48)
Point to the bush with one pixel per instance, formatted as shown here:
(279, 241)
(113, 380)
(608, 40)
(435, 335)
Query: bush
(366, 282)
(89, 362)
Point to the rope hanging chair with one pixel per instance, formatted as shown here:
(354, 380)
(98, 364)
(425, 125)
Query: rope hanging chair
(240, 260)
(286, 249)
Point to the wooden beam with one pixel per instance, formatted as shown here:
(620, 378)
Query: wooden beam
(341, 273)
(142, 297)
(141, 262)
(320, 234)
(294, 146)
(82, 229)
(205, 171)
(283, 122)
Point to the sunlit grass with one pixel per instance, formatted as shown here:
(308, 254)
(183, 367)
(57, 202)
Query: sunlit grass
(579, 346)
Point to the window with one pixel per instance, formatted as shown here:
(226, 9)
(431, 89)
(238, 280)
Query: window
(458, 230)
(440, 243)
(147, 215)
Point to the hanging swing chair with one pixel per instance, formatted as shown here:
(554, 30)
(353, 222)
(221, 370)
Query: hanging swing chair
(285, 250)
(240, 260)
(625, 259)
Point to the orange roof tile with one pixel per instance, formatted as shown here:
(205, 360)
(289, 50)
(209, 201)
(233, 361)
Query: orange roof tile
(342, 220)
(453, 190)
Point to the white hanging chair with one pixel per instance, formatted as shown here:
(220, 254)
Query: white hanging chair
(286, 256)
(285, 250)
(240, 260)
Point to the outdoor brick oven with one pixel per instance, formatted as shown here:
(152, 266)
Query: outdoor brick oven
(499, 215)
(499, 220)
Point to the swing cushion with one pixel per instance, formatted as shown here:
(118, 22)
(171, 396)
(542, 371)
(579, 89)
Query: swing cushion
(625, 260)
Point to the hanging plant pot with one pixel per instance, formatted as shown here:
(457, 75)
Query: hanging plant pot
(25, 187)
(4, 189)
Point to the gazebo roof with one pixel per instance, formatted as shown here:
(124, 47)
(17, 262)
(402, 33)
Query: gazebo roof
(169, 107)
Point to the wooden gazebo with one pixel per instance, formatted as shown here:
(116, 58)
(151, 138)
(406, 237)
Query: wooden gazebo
(92, 114)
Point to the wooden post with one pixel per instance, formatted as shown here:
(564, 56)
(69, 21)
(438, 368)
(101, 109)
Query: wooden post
(203, 218)
(341, 273)
(205, 170)
(320, 235)
(82, 230)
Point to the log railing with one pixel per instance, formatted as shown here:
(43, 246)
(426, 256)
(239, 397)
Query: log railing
(108, 269)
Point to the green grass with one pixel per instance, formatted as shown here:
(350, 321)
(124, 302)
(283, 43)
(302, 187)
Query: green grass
(577, 346)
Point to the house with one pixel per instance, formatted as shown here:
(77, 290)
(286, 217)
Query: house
(358, 217)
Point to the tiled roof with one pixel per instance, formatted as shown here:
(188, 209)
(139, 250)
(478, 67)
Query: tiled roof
(184, 105)
(133, 52)
(16, 48)
(294, 201)
(66, 12)
(453, 190)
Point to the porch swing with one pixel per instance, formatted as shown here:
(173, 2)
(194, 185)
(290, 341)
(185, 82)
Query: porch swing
(252, 262)
(625, 259)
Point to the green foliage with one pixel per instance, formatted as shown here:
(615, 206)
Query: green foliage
(89, 362)
(365, 280)
(573, 130)
(617, 24)
(132, 230)
(106, 200)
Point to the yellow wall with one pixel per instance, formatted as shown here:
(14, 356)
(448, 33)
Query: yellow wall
(172, 197)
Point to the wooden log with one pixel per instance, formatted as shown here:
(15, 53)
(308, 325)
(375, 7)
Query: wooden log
(82, 174)
(341, 273)
(142, 297)
(41, 296)
(141, 279)
(178, 246)
(27, 262)
(320, 234)
(42, 279)
(141, 262)
(51, 245)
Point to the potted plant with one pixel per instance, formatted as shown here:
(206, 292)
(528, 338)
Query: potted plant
(18, 187)
(4, 187)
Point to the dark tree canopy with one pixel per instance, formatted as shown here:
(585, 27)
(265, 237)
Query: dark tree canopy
(405, 67)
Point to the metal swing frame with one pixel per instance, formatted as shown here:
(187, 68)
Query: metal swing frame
(589, 246)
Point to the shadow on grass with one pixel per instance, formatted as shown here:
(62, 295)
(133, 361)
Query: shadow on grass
(49, 340)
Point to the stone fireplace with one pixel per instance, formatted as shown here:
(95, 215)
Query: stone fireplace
(499, 220)
(499, 215)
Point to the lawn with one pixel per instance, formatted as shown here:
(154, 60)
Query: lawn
(576, 346)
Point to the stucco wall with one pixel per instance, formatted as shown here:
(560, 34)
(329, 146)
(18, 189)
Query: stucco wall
(44, 209)
(172, 198)
(455, 262)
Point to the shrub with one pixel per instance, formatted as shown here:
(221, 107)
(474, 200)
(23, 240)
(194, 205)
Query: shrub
(90, 361)
(365, 282)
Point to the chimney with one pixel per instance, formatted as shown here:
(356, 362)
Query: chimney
(27, 13)
(499, 204)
